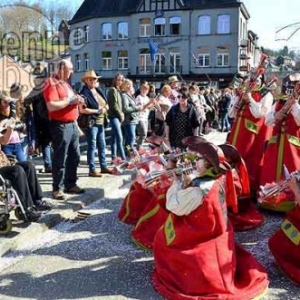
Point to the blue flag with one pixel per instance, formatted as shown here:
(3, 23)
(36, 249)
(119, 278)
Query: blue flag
(153, 50)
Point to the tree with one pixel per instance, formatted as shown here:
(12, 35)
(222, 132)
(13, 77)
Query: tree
(27, 26)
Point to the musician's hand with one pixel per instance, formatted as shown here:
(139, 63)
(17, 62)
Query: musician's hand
(247, 97)
(291, 101)
(171, 164)
(294, 185)
(279, 115)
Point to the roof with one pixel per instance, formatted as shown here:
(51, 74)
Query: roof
(113, 8)
(104, 8)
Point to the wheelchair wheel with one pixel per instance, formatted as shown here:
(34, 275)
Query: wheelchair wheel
(5, 227)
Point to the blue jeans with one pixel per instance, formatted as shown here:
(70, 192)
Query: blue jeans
(225, 125)
(116, 139)
(14, 149)
(47, 155)
(25, 147)
(66, 154)
(96, 139)
(130, 135)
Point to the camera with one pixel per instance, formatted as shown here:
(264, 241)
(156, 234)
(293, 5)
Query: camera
(20, 126)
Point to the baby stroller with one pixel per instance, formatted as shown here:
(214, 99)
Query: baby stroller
(9, 200)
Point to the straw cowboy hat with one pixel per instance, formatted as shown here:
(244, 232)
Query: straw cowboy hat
(173, 79)
(89, 74)
(5, 95)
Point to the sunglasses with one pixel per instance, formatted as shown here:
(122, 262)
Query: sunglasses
(181, 97)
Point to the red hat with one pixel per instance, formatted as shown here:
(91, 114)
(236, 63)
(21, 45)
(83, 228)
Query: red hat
(193, 140)
(234, 158)
(215, 156)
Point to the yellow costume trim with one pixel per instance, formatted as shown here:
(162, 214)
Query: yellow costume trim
(169, 230)
(148, 215)
(272, 140)
(127, 208)
(293, 140)
(291, 232)
(251, 126)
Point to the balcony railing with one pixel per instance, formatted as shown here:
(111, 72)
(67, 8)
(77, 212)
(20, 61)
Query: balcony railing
(159, 70)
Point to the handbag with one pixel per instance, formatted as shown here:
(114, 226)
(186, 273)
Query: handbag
(85, 121)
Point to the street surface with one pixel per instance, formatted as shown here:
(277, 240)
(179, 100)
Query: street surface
(96, 259)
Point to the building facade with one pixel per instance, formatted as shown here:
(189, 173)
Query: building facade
(197, 40)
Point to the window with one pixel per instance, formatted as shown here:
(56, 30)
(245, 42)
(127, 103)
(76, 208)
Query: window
(122, 59)
(78, 36)
(175, 25)
(222, 59)
(106, 31)
(86, 61)
(223, 24)
(159, 26)
(123, 30)
(175, 62)
(106, 60)
(86, 33)
(204, 25)
(145, 61)
(160, 63)
(78, 62)
(203, 60)
(145, 27)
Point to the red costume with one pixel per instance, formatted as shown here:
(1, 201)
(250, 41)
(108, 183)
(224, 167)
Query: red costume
(285, 245)
(196, 256)
(248, 216)
(134, 203)
(195, 253)
(152, 218)
(283, 149)
(249, 134)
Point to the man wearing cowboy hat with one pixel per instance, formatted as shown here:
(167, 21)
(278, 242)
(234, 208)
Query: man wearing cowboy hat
(173, 82)
(96, 108)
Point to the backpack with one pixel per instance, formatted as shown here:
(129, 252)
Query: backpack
(40, 108)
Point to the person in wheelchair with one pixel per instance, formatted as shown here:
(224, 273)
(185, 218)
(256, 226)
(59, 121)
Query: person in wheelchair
(23, 178)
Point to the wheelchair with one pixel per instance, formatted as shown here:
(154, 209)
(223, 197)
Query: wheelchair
(9, 200)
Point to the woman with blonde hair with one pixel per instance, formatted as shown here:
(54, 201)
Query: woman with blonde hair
(24, 115)
(8, 111)
(143, 116)
(163, 105)
(116, 116)
(130, 110)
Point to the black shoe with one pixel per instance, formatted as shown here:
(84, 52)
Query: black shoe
(32, 214)
(42, 205)
(75, 190)
(48, 170)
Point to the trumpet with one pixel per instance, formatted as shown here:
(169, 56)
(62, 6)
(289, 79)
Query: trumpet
(267, 192)
(269, 86)
(292, 92)
(154, 176)
(250, 83)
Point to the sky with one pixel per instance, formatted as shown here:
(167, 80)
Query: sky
(268, 16)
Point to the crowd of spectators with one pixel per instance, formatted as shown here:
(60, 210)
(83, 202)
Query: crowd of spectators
(45, 121)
